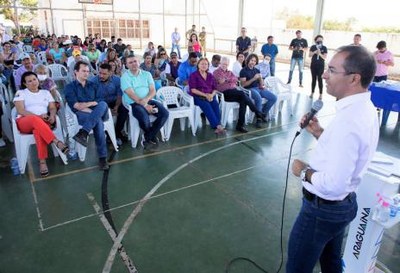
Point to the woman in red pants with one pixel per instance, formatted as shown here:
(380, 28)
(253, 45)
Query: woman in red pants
(37, 115)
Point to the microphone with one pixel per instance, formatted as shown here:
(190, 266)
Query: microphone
(317, 105)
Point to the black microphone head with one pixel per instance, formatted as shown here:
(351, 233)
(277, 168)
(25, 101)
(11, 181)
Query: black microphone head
(317, 105)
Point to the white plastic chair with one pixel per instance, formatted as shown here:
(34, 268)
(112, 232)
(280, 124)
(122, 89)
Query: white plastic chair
(108, 127)
(171, 95)
(41, 57)
(22, 143)
(226, 108)
(6, 117)
(58, 72)
(282, 91)
(27, 48)
(134, 128)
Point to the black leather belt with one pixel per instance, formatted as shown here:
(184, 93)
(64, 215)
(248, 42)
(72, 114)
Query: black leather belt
(311, 197)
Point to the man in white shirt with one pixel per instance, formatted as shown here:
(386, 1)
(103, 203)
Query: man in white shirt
(338, 162)
(176, 38)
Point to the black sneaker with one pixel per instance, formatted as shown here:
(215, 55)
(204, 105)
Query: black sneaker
(242, 129)
(258, 124)
(262, 117)
(103, 164)
(81, 137)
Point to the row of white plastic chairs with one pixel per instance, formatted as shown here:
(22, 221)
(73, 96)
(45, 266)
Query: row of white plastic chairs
(283, 92)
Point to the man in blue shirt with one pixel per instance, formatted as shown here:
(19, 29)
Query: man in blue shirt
(86, 102)
(109, 86)
(139, 91)
(271, 49)
(187, 68)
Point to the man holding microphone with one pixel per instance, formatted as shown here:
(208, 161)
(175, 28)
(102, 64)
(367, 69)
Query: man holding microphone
(336, 166)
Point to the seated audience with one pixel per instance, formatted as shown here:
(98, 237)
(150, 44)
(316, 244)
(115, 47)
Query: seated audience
(139, 91)
(215, 60)
(171, 70)
(238, 65)
(109, 87)
(86, 102)
(250, 78)
(37, 115)
(202, 87)
(227, 84)
(187, 68)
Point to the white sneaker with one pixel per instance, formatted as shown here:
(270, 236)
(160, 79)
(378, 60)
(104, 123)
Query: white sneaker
(2, 142)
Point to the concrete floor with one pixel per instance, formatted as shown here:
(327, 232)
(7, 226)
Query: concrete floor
(214, 199)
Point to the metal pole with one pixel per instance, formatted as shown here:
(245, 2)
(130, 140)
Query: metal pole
(113, 17)
(141, 26)
(52, 17)
(318, 17)
(83, 19)
(16, 17)
(240, 15)
(163, 17)
(185, 22)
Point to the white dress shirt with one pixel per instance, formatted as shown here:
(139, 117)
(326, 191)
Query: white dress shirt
(345, 148)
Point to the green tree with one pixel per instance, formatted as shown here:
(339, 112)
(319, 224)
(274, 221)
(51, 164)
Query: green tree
(300, 22)
(25, 14)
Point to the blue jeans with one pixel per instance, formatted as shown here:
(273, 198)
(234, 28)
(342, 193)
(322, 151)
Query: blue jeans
(94, 121)
(300, 63)
(272, 67)
(257, 94)
(143, 117)
(178, 48)
(318, 234)
(210, 110)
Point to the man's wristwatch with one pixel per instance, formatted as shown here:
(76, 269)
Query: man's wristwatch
(303, 173)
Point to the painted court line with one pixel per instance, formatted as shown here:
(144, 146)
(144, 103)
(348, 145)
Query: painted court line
(153, 197)
(124, 256)
(135, 202)
(111, 256)
(174, 149)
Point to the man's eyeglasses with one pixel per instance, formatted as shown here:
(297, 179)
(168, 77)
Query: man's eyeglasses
(162, 54)
(333, 71)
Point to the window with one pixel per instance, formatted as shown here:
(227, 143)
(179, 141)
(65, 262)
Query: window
(130, 29)
(103, 26)
(126, 28)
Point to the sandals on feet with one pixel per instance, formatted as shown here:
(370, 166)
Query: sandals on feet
(44, 171)
(64, 148)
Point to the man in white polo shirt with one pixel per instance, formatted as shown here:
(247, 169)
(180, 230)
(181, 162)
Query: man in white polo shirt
(336, 167)
(139, 91)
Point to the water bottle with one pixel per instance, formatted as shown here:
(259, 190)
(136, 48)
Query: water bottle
(384, 212)
(395, 205)
(14, 166)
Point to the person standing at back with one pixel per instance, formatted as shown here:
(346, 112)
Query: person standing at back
(298, 45)
(318, 54)
(271, 49)
(384, 59)
(203, 42)
(243, 43)
(337, 164)
(176, 38)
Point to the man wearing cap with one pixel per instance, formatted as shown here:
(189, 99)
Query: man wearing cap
(171, 70)
(76, 57)
(27, 65)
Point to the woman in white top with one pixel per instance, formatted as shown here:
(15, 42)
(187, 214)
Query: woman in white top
(37, 115)
(238, 65)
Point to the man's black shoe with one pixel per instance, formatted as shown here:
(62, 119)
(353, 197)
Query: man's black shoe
(262, 117)
(81, 137)
(103, 165)
(258, 124)
(242, 129)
